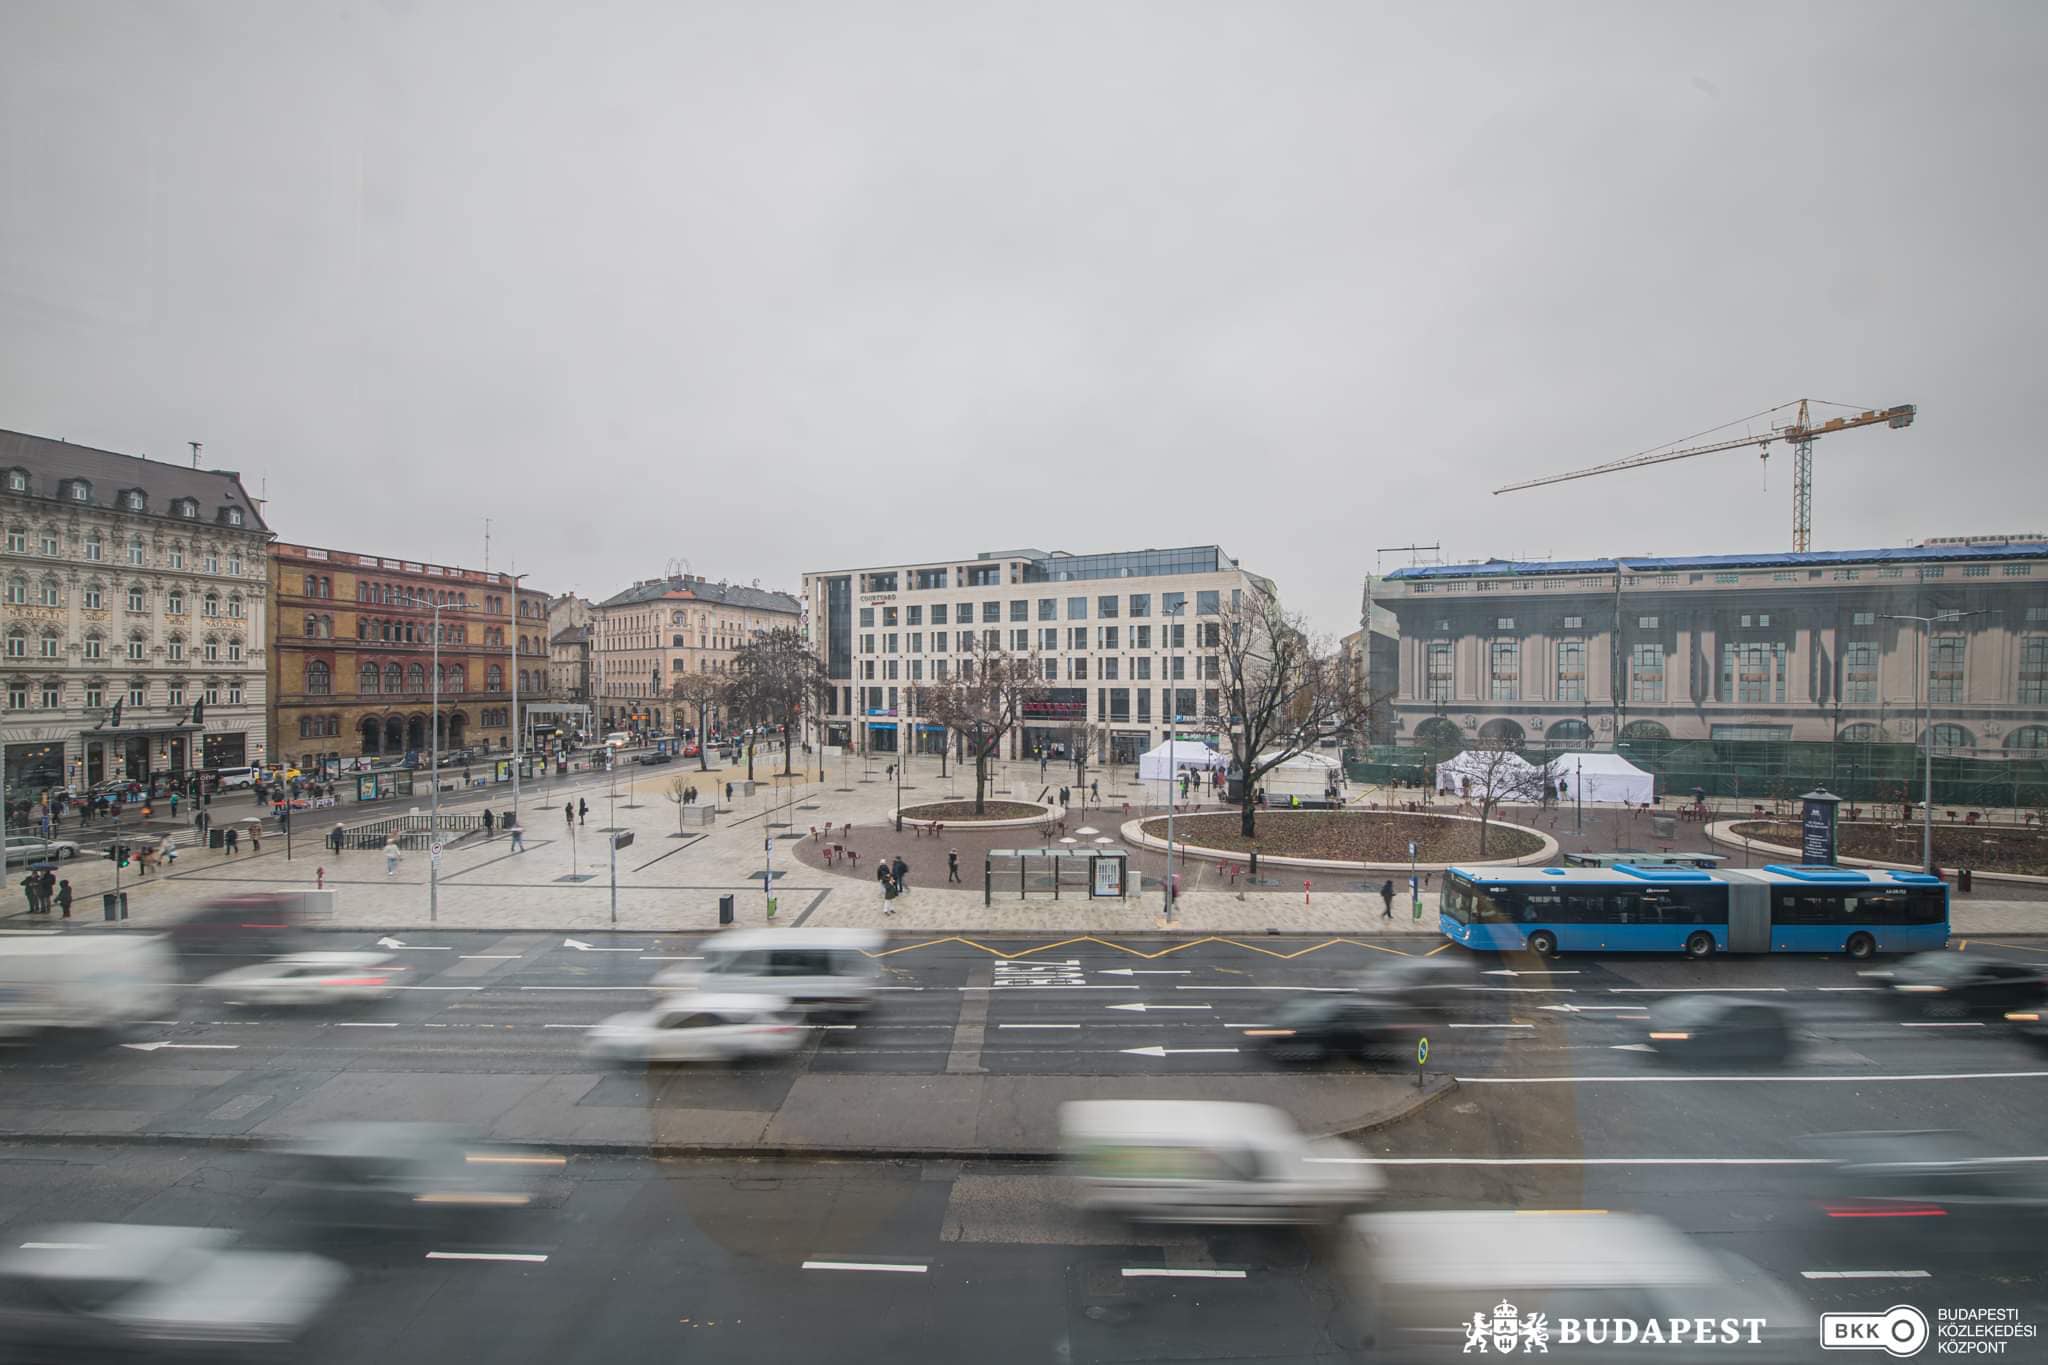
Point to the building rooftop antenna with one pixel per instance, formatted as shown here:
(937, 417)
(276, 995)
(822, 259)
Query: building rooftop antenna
(1414, 553)
(197, 446)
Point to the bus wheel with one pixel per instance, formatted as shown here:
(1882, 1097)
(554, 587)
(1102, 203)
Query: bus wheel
(1543, 944)
(1700, 945)
(1862, 947)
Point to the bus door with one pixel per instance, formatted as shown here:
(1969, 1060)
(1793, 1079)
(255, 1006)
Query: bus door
(1749, 917)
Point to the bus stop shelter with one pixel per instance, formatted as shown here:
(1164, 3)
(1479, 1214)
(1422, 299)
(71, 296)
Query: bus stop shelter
(1096, 873)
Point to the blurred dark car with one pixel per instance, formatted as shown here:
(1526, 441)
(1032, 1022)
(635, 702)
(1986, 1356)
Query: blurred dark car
(1953, 985)
(1925, 1175)
(1433, 986)
(381, 1173)
(261, 924)
(1326, 1026)
(1721, 1027)
(653, 757)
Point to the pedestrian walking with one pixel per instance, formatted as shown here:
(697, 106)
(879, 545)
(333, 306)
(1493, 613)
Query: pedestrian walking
(335, 837)
(174, 805)
(64, 897)
(231, 841)
(900, 870)
(728, 793)
(32, 887)
(952, 864)
(1387, 899)
(582, 811)
(1094, 792)
(390, 858)
(887, 885)
(169, 849)
(569, 813)
(490, 824)
(255, 838)
(518, 833)
(319, 879)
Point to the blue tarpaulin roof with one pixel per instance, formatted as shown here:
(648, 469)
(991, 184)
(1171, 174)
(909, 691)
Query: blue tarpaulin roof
(1784, 559)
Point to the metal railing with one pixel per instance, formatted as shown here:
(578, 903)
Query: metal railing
(408, 831)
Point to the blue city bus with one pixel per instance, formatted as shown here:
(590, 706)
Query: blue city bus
(1632, 909)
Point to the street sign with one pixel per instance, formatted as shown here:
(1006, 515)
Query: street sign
(622, 840)
(1411, 850)
(1421, 1051)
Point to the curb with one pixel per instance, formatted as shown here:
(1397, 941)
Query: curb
(1133, 832)
(1720, 832)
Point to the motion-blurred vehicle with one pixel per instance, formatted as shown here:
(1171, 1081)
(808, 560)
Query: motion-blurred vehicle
(1952, 985)
(1720, 1027)
(1199, 1161)
(691, 750)
(95, 1291)
(1434, 986)
(1318, 1028)
(51, 982)
(358, 1173)
(226, 779)
(27, 848)
(1424, 1283)
(1929, 1174)
(700, 1027)
(820, 971)
(618, 739)
(259, 924)
(655, 756)
(307, 979)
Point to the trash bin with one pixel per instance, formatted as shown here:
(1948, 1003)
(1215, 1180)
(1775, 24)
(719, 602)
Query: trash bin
(1963, 880)
(725, 909)
(114, 904)
(215, 838)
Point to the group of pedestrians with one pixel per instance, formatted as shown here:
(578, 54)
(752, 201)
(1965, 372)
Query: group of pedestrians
(44, 890)
(893, 875)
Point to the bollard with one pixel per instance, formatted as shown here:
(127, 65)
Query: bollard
(1253, 875)
(725, 910)
(1304, 893)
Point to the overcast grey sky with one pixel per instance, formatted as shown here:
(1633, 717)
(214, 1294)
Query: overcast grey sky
(772, 287)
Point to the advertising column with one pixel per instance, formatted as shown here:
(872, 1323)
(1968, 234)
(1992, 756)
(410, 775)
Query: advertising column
(1817, 828)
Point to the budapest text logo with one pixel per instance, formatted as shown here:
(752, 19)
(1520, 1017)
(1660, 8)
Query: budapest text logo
(1507, 1331)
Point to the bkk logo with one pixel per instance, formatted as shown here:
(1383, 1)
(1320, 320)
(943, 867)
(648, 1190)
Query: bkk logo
(1900, 1330)
(1507, 1331)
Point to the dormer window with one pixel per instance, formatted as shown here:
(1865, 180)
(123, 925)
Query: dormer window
(232, 515)
(17, 481)
(185, 507)
(79, 490)
(132, 500)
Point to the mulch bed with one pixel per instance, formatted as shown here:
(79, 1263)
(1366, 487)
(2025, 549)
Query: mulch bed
(1345, 837)
(1979, 848)
(952, 812)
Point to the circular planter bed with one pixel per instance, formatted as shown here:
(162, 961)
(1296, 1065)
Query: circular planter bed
(1981, 848)
(962, 812)
(1353, 837)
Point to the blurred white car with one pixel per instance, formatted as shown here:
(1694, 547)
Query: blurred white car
(30, 848)
(700, 1028)
(308, 979)
(113, 1290)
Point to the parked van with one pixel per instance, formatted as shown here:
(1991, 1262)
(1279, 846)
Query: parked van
(226, 779)
(1421, 1285)
(1200, 1161)
(819, 971)
(82, 981)
(617, 739)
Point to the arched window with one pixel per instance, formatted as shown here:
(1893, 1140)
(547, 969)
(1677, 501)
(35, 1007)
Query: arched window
(210, 651)
(1501, 730)
(17, 591)
(95, 595)
(1645, 729)
(394, 678)
(136, 597)
(319, 679)
(174, 648)
(235, 606)
(367, 680)
(135, 549)
(2028, 737)
(416, 677)
(174, 601)
(209, 605)
(312, 626)
(1940, 737)
(1565, 734)
(494, 678)
(326, 627)
(362, 592)
(94, 645)
(454, 679)
(1862, 732)
(234, 649)
(48, 646)
(49, 595)
(383, 630)
(136, 646)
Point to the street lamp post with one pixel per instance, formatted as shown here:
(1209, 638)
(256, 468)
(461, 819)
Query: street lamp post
(434, 818)
(1173, 715)
(518, 730)
(1927, 625)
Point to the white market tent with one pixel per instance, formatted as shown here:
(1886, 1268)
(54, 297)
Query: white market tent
(1602, 777)
(1474, 766)
(1166, 762)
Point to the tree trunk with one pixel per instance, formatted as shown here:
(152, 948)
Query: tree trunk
(750, 758)
(788, 731)
(1485, 809)
(1247, 824)
(980, 780)
(703, 744)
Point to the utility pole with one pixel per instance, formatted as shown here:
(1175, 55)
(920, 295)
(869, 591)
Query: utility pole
(1927, 625)
(518, 730)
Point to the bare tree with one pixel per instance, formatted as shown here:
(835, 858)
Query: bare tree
(679, 793)
(779, 675)
(700, 692)
(1492, 774)
(983, 702)
(1280, 688)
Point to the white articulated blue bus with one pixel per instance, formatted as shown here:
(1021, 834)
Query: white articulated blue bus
(1633, 909)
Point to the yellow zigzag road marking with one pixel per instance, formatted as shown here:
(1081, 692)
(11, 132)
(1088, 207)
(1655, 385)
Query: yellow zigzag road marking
(1139, 952)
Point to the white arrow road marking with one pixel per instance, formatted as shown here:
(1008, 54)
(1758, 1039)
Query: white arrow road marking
(1509, 971)
(1176, 1273)
(1591, 1009)
(1156, 1051)
(580, 946)
(866, 1265)
(1631, 1047)
(1493, 1026)
(1695, 990)
(1141, 1007)
(527, 1258)
(1142, 971)
(414, 947)
(1338, 989)
(649, 987)
(1865, 1275)
(1945, 1024)
(389, 943)
(192, 1047)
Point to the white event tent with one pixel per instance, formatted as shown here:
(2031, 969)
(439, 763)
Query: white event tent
(1168, 760)
(1474, 766)
(1603, 777)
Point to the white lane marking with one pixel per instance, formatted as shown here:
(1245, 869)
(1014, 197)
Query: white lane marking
(1141, 1007)
(1687, 1080)
(183, 1047)
(1493, 1026)
(524, 1258)
(1840, 989)
(1038, 1026)
(1175, 1273)
(649, 987)
(826, 1027)
(60, 1246)
(1569, 1161)
(1630, 1047)
(1157, 1051)
(1695, 990)
(580, 946)
(156, 1021)
(1337, 989)
(349, 1023)
(543, 1026)
(1944, 1024)
(1509, 971)
(437, 988)
(1591, 1009)
(1866, 1274)
(650, 957)
(1039, 986)
(1145, 971)
(866, 1265)
(492, 957)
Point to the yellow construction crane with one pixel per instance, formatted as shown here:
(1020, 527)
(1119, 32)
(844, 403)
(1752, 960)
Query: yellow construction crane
(1800, 431)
